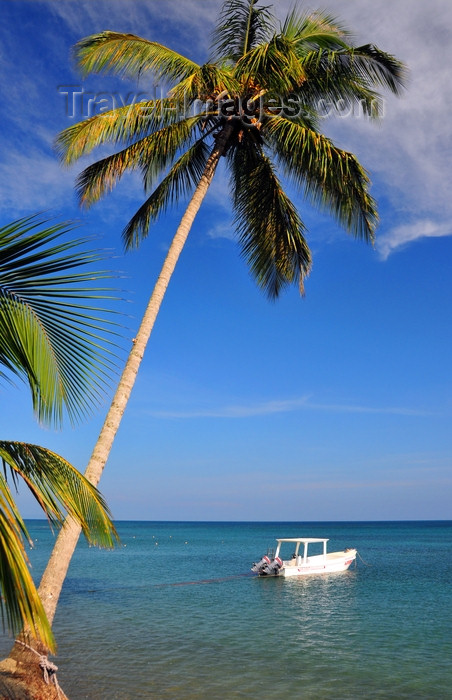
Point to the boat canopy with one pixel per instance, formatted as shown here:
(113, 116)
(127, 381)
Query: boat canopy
(303, 539)
(298, 541)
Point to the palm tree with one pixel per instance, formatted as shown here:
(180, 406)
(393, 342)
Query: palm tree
(52, 337)
(257, 102)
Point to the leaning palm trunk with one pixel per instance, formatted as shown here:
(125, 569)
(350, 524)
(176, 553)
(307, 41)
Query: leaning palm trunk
(55, 573)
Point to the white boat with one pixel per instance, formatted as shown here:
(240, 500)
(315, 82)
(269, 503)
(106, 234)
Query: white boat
(300, 563)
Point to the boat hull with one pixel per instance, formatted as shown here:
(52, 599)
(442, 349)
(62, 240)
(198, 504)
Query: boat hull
(332, 563)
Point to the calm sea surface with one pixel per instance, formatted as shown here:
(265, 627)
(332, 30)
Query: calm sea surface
(172, 613)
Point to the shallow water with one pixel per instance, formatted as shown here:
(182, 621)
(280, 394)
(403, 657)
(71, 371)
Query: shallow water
(174, 614)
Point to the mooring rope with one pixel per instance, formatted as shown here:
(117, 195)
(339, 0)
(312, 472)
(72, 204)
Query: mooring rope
(364, 562)
(48, 668)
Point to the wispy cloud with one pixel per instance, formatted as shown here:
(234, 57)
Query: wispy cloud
(237, 410)
(222, 231)
(408, 153)
(143, 18)
(33, 181)
(271, 407)
(400, 236)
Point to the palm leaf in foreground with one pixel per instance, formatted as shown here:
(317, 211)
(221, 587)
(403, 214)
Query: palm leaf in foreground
(59, 489)
(52, 333)
(20, 603)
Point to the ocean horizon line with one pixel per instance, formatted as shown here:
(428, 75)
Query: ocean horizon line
(270, 522)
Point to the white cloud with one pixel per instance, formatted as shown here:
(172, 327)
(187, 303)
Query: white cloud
(33, 181)
(408, 153)
(185, 19)
(222, 231)
(400, 236)
(275, 406)
(238, 411)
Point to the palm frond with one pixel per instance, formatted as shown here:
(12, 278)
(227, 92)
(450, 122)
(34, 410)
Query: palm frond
(131, 56)
(52, 332)
(273, 66)
(19, 600)
(325, 44)
(181, 179)
(121, 125)
(337, 72)
(59, 489)
(151, 155)
(241, 26)
(344, 78)
(331, 178)
(330, 89)
(100, 177)
(377, 68)
(270, 230)
(318, 30)
(208, 81)
(160, 149)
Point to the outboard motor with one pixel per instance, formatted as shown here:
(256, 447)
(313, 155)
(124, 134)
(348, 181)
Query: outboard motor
(258, 566)
(273, 568)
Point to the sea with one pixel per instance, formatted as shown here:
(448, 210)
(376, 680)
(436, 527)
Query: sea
(173, 613)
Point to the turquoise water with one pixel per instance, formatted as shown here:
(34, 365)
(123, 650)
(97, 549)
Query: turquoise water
(172, 613)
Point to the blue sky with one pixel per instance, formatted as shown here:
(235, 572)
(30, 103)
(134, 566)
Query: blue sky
(336, 406)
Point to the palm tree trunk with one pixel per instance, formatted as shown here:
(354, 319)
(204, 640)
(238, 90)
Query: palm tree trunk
(56, 570)
(55, 573)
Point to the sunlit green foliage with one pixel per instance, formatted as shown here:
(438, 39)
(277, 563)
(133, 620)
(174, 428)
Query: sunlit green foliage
(273, 81)
(52, 331)
(54, 335)
(59, 489)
